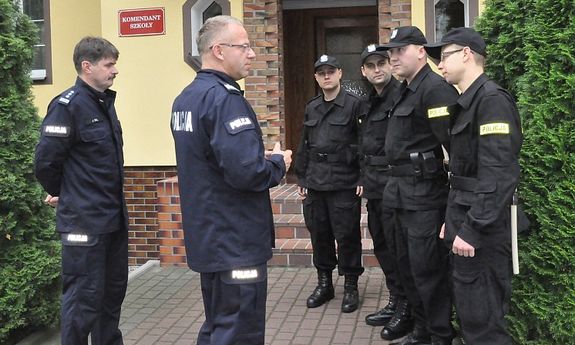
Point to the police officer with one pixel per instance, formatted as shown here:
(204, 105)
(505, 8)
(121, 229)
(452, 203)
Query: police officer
(373, 127)
(485, 143)
(328, 174)
(224, 180)
(417, 188)
(79, 162)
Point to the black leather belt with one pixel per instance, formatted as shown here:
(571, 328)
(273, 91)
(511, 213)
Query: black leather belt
(375, 160)
(327, 157)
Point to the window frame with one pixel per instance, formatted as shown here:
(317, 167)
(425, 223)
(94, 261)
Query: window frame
(43, 76)
(471, 12)
(193, 10)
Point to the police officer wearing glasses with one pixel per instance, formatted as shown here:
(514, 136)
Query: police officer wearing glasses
(485, 143)
(224, 179)
(417, 186)
(328, 174)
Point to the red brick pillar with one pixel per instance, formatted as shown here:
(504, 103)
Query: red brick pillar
(170, 232)
(264, 86)
(392, 14)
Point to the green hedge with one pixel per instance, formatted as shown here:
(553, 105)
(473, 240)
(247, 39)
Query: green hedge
(29, 251)
(531, 51)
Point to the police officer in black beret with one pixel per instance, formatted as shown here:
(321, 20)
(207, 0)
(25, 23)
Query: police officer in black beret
(485, 143)
(79, 162)
(373, 128)
(328, 174)
(224, 179)
(417, 187)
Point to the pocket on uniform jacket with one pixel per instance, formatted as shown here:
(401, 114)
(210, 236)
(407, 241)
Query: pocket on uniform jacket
(76, 250)
(93, 133)
(340, 129)
(486, 199)
(403, 118)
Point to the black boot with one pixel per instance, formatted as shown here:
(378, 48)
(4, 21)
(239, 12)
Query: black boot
(401, 322)
(350, 301)
(382, 317)
(419, 336)
(323, 291)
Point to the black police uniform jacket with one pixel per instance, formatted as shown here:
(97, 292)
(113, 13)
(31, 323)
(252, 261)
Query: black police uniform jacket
(419, 123)
(485, 143)
(373, 128)
(79, 159)
(224, 177)
(327, 154)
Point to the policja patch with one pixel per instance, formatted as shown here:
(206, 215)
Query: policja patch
(494, 128)
(437, 112)
(239, 124)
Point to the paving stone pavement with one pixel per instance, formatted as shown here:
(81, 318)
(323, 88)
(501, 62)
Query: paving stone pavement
(164, 306)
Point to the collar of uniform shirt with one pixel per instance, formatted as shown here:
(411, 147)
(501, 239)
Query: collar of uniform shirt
(223, 76)
(419, 77)
(466, 98)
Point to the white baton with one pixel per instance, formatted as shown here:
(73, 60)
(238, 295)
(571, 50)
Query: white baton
(514, 246)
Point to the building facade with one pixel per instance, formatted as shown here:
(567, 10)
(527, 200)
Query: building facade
(158, 58)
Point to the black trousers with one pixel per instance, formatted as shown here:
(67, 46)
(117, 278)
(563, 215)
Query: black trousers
(482, 284)
(95, 278)
(334, 216)
(235, 307)
(381, 227)
(423, 266)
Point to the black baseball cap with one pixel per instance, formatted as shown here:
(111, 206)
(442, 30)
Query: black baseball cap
(404, 35)
(326, 60)
(372, 50)
(466, 37)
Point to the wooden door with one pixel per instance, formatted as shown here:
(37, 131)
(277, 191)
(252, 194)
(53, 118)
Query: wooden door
(341, 32)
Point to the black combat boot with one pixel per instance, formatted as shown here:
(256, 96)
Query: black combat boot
(419, 336)
(350, 301)
(382, 317)
(401, 322)
(323, 291)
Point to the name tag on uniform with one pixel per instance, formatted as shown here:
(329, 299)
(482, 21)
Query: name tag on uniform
(56, 131)
(494, 128)
(437, 112)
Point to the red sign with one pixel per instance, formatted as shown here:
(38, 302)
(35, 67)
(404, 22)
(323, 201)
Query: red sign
(141, 22)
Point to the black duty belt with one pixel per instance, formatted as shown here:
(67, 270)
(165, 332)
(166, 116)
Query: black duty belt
(375, 160)
(328, 157)
(467, 184)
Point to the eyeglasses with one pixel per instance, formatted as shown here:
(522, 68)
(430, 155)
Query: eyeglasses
(244, 47)
(445, 55)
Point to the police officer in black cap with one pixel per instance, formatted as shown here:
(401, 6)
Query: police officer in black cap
(373, 127)
(485, 143)
(328, 174)
(417, 187)
(79, 162)
(224, 179)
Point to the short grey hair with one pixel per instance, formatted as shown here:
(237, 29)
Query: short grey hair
(210, 30)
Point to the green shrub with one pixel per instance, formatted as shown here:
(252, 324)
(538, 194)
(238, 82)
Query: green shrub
(532, 52)
(29, 251)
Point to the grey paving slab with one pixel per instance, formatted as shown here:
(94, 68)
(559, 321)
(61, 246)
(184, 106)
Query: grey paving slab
(163, 305)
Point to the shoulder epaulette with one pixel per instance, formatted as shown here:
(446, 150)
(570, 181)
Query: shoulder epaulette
(67, 96)
(314, 98)
(230, 88)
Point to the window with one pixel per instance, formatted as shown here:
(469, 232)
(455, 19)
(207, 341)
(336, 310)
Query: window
(443, 15)
(196, 12)
(38, 11)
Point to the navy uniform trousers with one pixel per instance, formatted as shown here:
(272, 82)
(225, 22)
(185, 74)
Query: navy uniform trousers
(235, 306)
(95, 278)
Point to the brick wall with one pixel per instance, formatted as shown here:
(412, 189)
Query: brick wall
(392, 14)
(263, 89)
(141, 199)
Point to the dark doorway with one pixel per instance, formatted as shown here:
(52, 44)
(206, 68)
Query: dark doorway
(341, 32)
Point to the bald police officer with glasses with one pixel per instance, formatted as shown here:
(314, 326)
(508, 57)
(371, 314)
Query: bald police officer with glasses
(485, 143)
